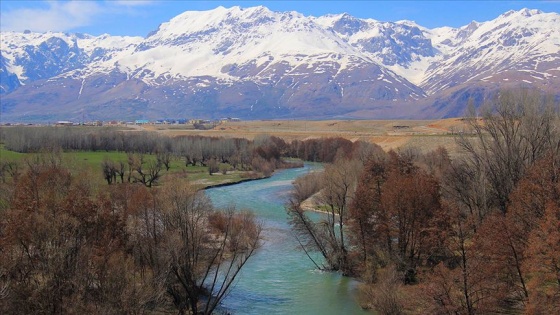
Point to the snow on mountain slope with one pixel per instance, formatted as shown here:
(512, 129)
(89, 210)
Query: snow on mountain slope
(203, 43)
(516, 41)
(34, 56)
(259, 63)
(401, 46)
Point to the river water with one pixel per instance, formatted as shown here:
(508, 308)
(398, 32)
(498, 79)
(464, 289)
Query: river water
(279, 278)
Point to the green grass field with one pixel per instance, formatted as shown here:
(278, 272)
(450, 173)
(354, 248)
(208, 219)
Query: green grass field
(6, 155)
(91, 161)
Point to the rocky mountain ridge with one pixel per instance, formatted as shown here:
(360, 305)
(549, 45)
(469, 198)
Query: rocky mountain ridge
(254, 63)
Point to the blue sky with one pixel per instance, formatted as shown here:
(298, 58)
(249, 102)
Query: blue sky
(138, 18)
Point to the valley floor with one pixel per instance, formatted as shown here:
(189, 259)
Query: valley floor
(389, 134)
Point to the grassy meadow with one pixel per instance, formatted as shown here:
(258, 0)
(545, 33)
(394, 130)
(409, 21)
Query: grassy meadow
(90, 162)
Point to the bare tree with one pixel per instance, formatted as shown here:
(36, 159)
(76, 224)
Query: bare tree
(206, 248)
(213, 166)
(148, 173)
(339, 184)
(309, 234)
(164, 157)
(328, 235)
(121, 170)
(109, 171)
(364, 151)
(517, 128)
(133, 162)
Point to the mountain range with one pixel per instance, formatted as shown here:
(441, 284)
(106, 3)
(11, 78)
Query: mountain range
(253, 63)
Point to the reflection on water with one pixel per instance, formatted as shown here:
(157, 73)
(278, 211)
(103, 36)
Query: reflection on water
(280, 279)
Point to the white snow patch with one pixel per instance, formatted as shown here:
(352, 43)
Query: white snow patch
(81, 88)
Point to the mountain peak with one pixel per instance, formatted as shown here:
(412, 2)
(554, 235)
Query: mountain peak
(408, 23)
(530, 12)
(257, 9)
(257, 63)
(525, 12)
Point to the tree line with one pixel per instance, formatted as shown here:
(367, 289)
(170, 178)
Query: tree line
(262, 155)
(476, 234)
(193, 150)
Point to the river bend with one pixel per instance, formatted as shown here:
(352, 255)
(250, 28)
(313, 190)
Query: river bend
(280, 279)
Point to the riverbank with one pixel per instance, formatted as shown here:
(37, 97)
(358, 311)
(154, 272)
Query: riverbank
(312, 203)
(287, 164)
(280, 278)
(233, 183)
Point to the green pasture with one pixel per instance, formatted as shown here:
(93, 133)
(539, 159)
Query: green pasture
(91, 161)
(6, 155)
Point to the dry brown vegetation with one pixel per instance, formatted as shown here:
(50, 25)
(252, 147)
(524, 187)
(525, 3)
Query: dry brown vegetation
(389, 134)
(70, 247)
(429, 234)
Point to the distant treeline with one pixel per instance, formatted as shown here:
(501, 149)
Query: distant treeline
(193, 149)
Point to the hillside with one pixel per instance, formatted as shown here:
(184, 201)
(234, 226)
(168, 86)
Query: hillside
(254, 63)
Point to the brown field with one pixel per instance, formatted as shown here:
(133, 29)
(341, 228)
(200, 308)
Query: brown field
(389, 134)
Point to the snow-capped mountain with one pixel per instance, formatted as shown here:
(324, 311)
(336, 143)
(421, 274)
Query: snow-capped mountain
(517, 45)
(399, 46)
(255, 63)
(35, 56)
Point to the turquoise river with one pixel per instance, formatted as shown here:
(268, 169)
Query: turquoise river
(280, 279)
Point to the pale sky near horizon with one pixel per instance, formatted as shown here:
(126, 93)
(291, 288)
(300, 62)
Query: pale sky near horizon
(138, 18)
